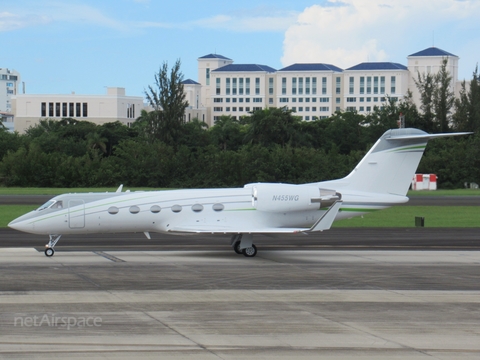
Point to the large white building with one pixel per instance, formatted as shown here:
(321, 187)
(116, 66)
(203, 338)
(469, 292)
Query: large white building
(100, 109)
(315, 90)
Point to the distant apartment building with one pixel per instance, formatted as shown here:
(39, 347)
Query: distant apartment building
(29, 109)
(9, 87)
(313, 90)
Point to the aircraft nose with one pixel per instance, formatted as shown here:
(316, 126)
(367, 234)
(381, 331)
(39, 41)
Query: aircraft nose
(21, 223)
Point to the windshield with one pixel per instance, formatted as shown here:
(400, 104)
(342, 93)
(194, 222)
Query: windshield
(51, 204)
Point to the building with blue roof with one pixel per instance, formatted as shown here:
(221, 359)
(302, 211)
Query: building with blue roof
(312, 90)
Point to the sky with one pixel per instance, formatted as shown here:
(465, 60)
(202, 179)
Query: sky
(60, 46)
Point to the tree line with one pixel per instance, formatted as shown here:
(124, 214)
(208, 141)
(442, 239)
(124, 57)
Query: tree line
(269, 145)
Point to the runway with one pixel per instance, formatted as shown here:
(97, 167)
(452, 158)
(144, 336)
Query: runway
(333, 304)
(343, 294)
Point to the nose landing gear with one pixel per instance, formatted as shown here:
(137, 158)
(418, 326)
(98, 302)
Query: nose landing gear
(49, 251)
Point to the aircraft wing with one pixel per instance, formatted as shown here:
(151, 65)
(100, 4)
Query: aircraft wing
(323, 223)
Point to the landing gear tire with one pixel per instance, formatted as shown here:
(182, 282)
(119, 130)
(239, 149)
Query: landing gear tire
(250, 251)
(49, 252)
(236, 248)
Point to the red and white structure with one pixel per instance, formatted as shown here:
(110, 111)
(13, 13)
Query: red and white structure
(424, 182)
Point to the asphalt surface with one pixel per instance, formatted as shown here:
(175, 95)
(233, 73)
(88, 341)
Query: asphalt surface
(364, 293)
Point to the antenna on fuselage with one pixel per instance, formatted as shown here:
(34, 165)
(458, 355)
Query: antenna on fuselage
(120, 188)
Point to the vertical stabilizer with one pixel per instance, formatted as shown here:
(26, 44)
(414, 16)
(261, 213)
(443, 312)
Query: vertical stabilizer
(389, 166)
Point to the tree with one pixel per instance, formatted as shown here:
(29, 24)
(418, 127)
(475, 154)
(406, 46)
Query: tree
(467, 106)
(426, 84)
(226, 132)
(437, 99)
(273, 126)
(168, 101)
(443, 97)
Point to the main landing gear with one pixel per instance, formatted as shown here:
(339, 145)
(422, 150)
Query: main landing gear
(49, 251)
(242, 244)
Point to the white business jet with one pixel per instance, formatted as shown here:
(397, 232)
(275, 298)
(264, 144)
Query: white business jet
(380, 180)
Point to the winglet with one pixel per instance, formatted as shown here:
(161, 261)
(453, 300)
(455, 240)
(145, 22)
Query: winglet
(119, 190)
(326, 221)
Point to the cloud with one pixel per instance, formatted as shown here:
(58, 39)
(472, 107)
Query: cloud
(51, 12)
(347, 32)
(10, 21)
(261, 19)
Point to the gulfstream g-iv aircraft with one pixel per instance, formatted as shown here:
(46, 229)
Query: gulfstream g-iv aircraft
(380, 180)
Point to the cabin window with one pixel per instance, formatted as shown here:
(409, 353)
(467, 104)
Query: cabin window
(218, 207)
(197, 207)
(134, 209)
(155, 209)
(113, 210)
(176, 208)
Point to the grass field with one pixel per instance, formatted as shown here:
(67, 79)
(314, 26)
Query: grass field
(398, 216)
(57, 191)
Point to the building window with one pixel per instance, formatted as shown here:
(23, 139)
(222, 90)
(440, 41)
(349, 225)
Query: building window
(300, 86)
(78, 110)
(85, 110)
(257, 86)
(217, 109)
(324, 85)
(392, 85)
(234, 86)
(351, 99)
(247, 86)
(314, 86)
(270, 86)
(270, 101)
(218, 88)
(64, 110)
(240, 86)
(324, 99)
(228, 86)
(43, 109)
(283, 100)
(307, 86)
(375, 84)
(351, 85)
(57, 109)
(369, 84)
(70, 110)
(217, 100)
(382, 84)
(351, 108)
(337, 100)
(338, 84)
(362, 84)
(284, 86)
(207, 75)
(50, 109)
(294, 86)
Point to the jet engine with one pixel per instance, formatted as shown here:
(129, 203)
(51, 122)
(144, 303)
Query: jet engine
(287, 198)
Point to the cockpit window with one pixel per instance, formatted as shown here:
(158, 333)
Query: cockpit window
(51, 204)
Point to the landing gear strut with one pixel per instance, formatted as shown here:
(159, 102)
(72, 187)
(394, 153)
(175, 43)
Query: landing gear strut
(49, 251)
(242, 244)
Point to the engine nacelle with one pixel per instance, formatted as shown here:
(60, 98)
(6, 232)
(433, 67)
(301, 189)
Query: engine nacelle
(287, 198)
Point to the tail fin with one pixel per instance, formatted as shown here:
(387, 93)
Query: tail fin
(389, 166)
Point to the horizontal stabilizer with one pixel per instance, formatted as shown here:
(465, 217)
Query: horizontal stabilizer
(327, 219)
